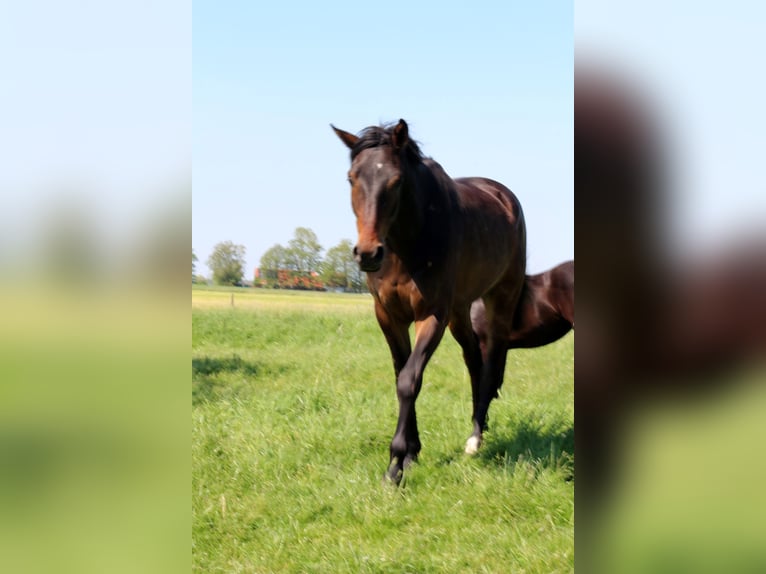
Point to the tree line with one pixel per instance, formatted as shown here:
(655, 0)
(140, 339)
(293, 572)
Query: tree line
(298, 265)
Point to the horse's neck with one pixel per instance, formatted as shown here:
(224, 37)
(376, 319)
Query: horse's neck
(410, 223)
(421, 232)
(408, 220)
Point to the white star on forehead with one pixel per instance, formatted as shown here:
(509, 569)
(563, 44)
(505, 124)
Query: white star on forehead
(378, 165)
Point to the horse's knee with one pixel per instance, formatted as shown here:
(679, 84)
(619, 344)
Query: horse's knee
(406, 385)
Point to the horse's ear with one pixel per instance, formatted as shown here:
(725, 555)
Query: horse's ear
(401, 134)
(347, 138)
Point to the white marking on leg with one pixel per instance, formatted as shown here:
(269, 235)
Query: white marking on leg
(472, 445)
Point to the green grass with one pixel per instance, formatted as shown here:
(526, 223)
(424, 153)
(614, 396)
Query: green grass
(293, 407)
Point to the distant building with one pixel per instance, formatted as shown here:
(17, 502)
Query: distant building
(286, 279)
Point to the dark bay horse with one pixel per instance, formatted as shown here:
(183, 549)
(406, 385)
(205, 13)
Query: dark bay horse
(430, 246)
(545, 312)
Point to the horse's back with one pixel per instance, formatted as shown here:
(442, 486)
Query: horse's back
(473, 190)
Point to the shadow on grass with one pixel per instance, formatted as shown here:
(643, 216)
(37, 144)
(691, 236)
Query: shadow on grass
(549, 447)
(207, 366)
(206, 384)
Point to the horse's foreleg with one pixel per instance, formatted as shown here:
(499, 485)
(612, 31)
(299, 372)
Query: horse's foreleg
(398, 339)
(405, 445)
(397, 336)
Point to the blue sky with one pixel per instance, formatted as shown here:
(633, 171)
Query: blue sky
(104, 99)
(487, 90)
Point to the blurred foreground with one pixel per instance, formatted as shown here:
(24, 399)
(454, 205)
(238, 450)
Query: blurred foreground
(95, 210)
(93, 449)
(671, 304)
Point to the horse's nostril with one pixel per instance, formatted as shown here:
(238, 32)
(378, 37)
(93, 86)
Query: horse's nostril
(379, 253)
(356, 251)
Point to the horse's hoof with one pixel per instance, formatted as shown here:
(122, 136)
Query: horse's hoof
(388, 482)
(472, 445)
(393, 476)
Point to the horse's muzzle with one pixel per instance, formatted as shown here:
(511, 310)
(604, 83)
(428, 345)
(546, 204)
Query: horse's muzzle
(369, 261)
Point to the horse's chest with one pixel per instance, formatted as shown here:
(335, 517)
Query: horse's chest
(402, 300)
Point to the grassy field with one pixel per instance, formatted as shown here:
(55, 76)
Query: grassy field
(293, 407)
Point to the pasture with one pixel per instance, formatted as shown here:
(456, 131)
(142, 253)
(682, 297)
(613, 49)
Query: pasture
(293, 409)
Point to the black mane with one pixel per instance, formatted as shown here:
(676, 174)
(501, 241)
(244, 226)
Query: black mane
(377, 136)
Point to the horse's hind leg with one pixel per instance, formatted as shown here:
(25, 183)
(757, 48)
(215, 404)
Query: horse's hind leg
(462, 331)
(499, 311)
(491, 381)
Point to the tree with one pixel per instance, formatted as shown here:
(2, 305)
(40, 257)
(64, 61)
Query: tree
(357, 280)
(227, 262)
(272, 261)
(339, 268)
(194, 265)
(304, 251)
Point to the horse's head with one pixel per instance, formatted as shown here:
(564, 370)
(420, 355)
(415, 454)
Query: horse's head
(378, 156)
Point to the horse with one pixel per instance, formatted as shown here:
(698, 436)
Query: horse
(430, 246)
(545, 312)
